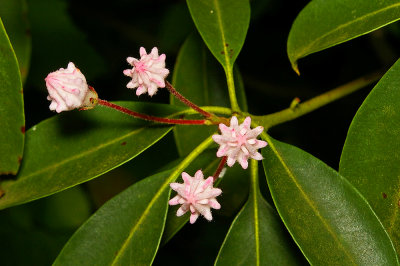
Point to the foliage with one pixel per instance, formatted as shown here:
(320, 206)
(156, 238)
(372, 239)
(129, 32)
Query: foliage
(111, 172)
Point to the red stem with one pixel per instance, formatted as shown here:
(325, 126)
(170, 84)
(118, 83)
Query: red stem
(186, 101)
(220, 167)
(149, 117)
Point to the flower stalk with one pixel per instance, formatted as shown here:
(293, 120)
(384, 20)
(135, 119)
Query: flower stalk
(220, 167)
(151, 118)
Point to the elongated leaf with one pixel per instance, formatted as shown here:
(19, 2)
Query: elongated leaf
(124, 231)
(12, 118)
(14, 14)
(371, 154)
(75, 147)
(133, 235)
(327, 217)
(223, 25)
(322, 24)
(199, 78)
(256, 236)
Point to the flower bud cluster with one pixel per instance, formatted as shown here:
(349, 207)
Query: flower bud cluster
(69, 90)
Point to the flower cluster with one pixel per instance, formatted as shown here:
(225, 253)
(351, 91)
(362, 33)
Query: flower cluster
(148, 73)
(239, 142)
(196, 195)
(69, 90)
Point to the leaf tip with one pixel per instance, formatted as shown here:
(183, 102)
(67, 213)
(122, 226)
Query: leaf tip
(296, 68)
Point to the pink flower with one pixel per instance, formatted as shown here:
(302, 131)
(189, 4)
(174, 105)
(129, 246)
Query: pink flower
(196, 195)
(239, 142)
(68, 90)
(148, 73)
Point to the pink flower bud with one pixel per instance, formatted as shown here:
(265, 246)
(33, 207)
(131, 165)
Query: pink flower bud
(239, 142)
(148, 73)
(196, 195)
(68, 90)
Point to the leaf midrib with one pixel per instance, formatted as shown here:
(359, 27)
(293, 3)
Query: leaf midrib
(78, 156)
(125, 244)
(256, 224)
(308, 200)
(219, 19)
(304, 50)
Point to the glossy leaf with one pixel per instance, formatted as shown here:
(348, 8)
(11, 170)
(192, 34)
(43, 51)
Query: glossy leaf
(75, 147)
(124, 231)
(256, 236)
(370, 157)
(14, 14)
(223, 25)
(199, 78)
(133, 234)
(12, 118)
(322, 24)
(327, 217)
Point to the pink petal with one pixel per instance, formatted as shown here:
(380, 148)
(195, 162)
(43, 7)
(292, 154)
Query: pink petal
(174, 200)
(140, 90)
(234, 122)
(154, 52)
(175, 186)
(224, 128)
(218, 139)
(230, 161)
(142, 51)
(247, 122)
(182, 210)
(257, 156)
(214, 204)
(208, 182)
(199, 175)
(194, 217)
(127, 72)
(186, 178)
(207, 214)
(130, 60)
(222, 150)
(260, 144)
(243, 161)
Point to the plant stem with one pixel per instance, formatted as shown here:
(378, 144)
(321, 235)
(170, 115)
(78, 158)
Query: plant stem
(186, 101)
(301, 109)
(219, 168)
(214, 109)
(190, 158)
(254, 177)
(149, 117)
(231, 90)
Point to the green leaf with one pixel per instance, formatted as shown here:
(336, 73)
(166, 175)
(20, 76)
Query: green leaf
(12, 118)
(124, 231)
(327, 217)
(75, 147)
(256, 236)
(14, 14)
(199, 78)
(322, 24)
(223, 25)
(128, 228)
(370, 156)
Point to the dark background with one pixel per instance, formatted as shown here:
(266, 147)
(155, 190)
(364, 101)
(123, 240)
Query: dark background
(98, 36)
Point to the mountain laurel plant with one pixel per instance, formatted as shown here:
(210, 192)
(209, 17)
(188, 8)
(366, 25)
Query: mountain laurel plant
(348, 216)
